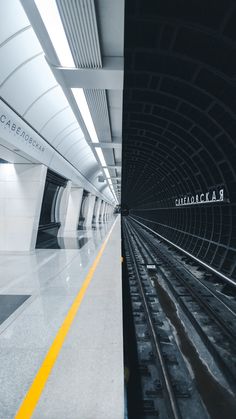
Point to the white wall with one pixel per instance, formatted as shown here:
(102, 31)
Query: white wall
(21, 194)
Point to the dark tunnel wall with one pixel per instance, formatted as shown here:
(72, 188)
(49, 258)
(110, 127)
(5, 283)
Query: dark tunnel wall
(179, 123)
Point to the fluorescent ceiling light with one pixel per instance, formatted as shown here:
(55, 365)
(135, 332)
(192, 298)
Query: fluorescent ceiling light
(52, 21)
(85, 112)
(100, 156)
(106, 171)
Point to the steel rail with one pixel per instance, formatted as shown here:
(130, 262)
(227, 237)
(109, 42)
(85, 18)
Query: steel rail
(197, 326)
(174, 406)
(210, 311)
(198, 279)
(219, 274)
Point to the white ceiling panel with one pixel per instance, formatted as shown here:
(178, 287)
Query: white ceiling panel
(46, 106)
(25, 45)
(28, 83)
(58, 122)
(72, 129)
(116, 122)
(81, 158)
(13, 19)
(110, 28)
(69, 142)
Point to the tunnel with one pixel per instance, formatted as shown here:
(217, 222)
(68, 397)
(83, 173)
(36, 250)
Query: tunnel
(179, 126)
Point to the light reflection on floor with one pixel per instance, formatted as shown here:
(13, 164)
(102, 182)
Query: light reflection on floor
(76, 242)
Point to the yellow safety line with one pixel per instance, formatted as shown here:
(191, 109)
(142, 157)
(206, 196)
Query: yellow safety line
(33, 395)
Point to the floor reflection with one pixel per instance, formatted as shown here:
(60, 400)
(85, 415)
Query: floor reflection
(94, 234)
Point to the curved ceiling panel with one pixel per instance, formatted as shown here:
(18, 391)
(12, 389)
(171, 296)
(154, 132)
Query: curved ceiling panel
(50, 102)
(58, 122)
(179, 124)
(14, 19)
(70, 141)
(67, 130)
(83, 154)
(28, 83)
(25, 45)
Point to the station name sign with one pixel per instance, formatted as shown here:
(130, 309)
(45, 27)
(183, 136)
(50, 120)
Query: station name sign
(17, 130)
(202, 198)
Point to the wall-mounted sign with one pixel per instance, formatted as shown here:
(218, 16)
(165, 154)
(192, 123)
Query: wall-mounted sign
(202, 198)
(13, 128)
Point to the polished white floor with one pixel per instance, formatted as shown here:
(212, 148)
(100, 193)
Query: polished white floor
(87, 379)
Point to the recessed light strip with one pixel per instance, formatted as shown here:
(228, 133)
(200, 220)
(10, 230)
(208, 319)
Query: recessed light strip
(86, 115)
(100, 156)
(52, 21)
(85, 112)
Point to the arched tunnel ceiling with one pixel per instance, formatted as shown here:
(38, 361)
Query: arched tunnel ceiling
(179, 122)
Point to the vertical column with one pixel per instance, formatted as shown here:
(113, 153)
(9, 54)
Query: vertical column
(89, 213)
(21, 194)
(63, 209)
(112, 212)
(106, 212)
(102, 212)
(98, 207)
(109, 212)
(73, 211)
(94, 210)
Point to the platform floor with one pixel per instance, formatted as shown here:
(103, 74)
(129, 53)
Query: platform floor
(86, 381)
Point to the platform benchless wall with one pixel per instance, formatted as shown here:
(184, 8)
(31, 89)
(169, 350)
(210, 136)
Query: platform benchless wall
(179, 139)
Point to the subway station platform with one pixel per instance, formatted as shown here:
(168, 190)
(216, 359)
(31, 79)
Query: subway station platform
(61, 342)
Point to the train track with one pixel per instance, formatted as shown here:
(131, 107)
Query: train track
(148, 259)
(167, 386)
(213, 318)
